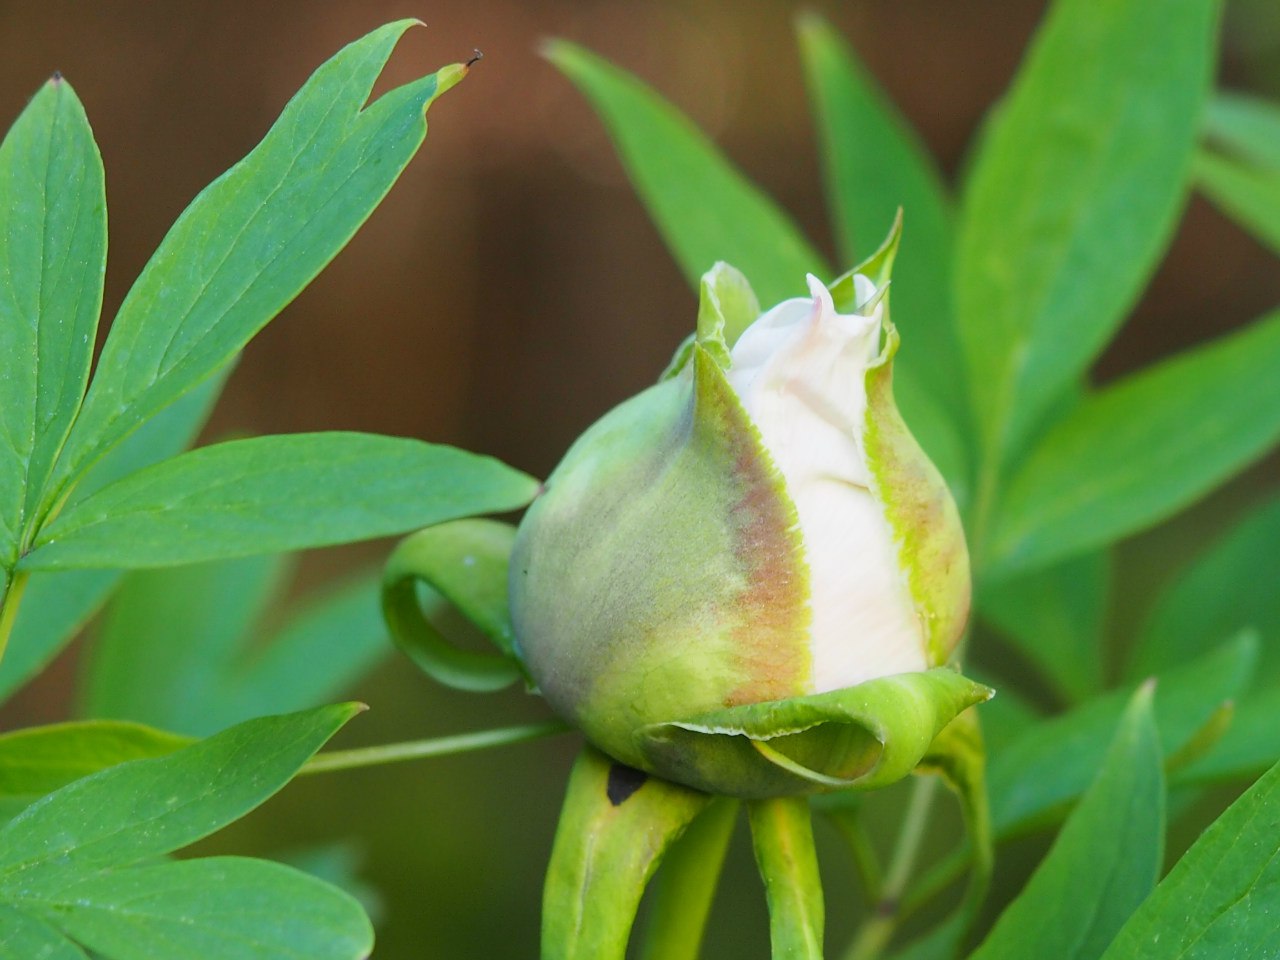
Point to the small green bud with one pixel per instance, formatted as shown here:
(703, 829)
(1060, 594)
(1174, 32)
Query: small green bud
(747, 578)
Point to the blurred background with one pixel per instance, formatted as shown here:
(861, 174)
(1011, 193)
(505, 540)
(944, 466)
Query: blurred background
(510, 291)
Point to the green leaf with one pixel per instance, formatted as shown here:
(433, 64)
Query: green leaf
(171, 637)
(56, 605)
(1055, 617)
(1054, 761)
(53, 252)
(1248, 195)
(782, 836)
(1245, 126)
(147, 808)
(1219, 901)
(1104, 862)
(873, 164)
(1143, 448)
(215, 908)
(39, 760)
(24, 937)
(614, 829)
(253, 239)
(276, 494)
(1078, 187)
(465, 564)
(705, 209)
(1228, 588)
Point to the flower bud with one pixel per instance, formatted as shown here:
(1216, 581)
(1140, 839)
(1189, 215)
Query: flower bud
(748, 577)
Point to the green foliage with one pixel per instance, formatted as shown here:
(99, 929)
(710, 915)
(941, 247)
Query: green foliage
(677, 172)
(272, 494)
(53, 245)
(77, 860)
(1104, 862)
(1219, 900)
(1142, 448)
(95, 479)
(1074, 193)
(1240, 171)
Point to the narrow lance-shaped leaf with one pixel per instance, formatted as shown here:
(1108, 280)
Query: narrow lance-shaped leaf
(1054, 761)
(1074, 195)
(1219, 900)
(53, 249)
(35, 761)
(1104, 862)
(56, 606)
(252, 240)
(1143, 448)
(273, 495)
(126, 814)
(705, 209)
(23, 937)
(218, 908)
(873, 164)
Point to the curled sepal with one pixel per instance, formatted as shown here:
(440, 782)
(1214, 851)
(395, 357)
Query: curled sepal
(865, 736)
(782, 835)
(462, 565)
(616, 824)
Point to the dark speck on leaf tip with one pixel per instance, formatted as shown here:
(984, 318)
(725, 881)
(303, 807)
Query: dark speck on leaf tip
(477, 58)
(623, 782)
(57, 76)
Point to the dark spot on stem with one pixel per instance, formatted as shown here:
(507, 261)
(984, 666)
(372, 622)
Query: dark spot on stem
(623, 782)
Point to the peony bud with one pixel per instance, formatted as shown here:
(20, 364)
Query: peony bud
(748, 577)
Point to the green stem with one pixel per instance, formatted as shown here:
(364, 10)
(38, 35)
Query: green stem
(9, 602)
(686, 885)
(877, 931)
(436, 747)
(782, 833)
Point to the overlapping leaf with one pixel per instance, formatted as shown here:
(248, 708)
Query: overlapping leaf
(273, 495)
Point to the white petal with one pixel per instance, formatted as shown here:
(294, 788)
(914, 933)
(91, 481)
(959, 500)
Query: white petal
(800, 372)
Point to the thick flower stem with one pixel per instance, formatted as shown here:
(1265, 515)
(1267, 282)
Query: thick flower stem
(686, 885)
(9, 601)
(782, 834)
(877, 931)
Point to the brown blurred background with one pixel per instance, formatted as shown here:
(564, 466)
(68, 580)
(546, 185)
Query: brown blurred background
(510, 291)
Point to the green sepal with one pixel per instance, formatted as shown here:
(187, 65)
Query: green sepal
(641, 590)
(865, 736)
(726, 307)
(465, 563)
(877, 268)
(615, 827)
